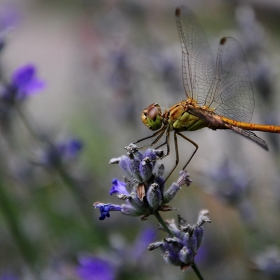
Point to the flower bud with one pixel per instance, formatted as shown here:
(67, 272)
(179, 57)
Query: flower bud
(146, 169)
(171, 192)
(154, 196)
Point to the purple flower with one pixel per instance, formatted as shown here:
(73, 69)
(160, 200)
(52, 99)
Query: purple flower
(147, 189)
(94, 268)
(268, 262)
(137, 165)
(181, 249)
(118, 187)
(70, 148)
(9, 16)
(24, 82)
(145, 237)
(8, 276)
(105, 209)
(231, 184)
(62, 152)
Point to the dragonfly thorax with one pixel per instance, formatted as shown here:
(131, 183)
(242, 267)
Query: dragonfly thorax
(152, 117)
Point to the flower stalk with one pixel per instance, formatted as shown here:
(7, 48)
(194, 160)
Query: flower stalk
(165, 227)
(26, 249)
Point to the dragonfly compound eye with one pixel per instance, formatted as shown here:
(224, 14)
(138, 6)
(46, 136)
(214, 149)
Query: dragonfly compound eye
(152, 117)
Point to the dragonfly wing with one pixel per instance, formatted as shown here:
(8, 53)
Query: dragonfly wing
(250, 135)
(198, 65)
(231, 94)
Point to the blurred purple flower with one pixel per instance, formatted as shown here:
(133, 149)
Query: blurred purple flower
(231, 184)
(165, 66)
(268, 262)
(94, 268)
(61, 152)
(25, 82)
(119, 260)
(9, 16)
(8, 276)
(145, 237)
(70, 148)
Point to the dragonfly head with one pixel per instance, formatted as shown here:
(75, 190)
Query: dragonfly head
(152, 117)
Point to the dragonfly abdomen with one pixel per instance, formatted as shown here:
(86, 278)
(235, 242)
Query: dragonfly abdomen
(253, 126)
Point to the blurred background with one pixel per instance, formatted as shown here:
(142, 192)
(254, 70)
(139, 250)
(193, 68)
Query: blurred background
(101, 63)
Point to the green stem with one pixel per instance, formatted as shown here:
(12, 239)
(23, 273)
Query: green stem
(68, 180)
(165, 227)
(28, 125)
(26, 249)
(72, 186)
(197, 272)
(162, 223)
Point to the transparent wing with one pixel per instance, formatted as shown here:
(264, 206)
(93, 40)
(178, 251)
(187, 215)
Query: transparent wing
(231, 94)
(198, 64)
(250, 135)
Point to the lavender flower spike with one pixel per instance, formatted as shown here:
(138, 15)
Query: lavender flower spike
(181, 249)
(143, 188)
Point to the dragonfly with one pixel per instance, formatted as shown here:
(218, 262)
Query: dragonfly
(218, 96)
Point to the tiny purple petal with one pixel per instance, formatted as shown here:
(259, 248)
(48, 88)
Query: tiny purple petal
(104, 209)
(34, 87)
(118, 187)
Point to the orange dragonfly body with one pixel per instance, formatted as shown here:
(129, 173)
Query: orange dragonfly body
(217, 96)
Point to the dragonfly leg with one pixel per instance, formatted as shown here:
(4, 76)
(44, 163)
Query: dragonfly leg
(176, 153)
(191, 141)
(157, 147)
(176, 150)
(159, 134)
(164, 143)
